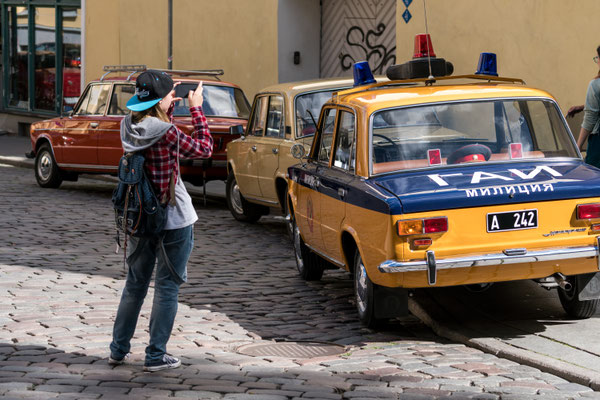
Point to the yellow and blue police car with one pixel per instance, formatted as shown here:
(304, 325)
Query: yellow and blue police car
(431, 180)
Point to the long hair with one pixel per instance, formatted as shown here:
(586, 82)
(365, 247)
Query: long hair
(154, 111)
(598, 52)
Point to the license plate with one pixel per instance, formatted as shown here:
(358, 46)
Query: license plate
(512, 220)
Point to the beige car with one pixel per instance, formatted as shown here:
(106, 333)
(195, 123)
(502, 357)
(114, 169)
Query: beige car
(257, 163)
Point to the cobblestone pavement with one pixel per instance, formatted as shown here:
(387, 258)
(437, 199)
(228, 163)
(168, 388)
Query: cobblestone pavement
(60, 282)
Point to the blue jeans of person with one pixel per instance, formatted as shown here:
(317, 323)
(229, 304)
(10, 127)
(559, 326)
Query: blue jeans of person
(170, 252)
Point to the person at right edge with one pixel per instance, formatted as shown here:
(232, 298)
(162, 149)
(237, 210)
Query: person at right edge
(149, 128)
(590, 127)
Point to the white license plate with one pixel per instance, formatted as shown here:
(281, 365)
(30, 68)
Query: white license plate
(512, 220)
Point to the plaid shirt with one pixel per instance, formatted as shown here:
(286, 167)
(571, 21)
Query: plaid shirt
(161, 158)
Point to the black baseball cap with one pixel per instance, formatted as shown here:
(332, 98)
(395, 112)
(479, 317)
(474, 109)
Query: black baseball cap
(150, 87)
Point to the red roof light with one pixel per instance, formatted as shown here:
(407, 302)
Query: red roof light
(423, 46)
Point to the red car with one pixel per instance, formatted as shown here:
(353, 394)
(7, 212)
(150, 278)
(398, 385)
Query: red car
(87, 140)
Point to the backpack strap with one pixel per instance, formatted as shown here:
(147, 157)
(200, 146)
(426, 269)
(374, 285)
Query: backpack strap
(172, 199)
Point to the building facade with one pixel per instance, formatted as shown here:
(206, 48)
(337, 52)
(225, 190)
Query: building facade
(52, 48)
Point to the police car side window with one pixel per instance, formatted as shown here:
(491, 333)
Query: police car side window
(344, 142)
(327, 127)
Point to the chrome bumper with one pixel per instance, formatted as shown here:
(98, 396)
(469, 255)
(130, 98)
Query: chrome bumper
(509, 256)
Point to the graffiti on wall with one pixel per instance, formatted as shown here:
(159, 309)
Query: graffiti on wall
(354, 30)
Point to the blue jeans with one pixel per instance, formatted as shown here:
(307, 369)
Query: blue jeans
(172, 249)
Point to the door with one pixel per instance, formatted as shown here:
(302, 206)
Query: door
(356, 30)
(110, 149)
(268, 148)
(309, 192)
(80, 135)
(246, 168)
(334, 180)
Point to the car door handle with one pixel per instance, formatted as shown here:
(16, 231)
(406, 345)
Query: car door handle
(253, 148)
(341, 192)
(94, 124)
(275, 150)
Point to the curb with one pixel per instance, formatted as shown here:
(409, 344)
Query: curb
(563, 369)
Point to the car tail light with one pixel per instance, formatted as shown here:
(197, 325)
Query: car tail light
(436, 225)
(595, 228)
(588, 211)
(420, 226)
(410, 227)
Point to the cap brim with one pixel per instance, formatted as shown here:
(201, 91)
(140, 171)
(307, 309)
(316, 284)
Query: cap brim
(134, 104)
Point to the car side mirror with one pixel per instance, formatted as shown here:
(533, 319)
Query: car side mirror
(298, 151)
(236, 130)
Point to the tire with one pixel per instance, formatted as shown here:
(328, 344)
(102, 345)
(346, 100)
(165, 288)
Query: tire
(310, 266)
(47, 173)
(575, 308)
(240, 208)
(364, 293)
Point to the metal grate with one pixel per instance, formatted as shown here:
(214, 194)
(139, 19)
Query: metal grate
(292, 349)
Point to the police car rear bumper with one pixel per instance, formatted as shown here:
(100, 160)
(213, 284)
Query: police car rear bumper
(510, 256)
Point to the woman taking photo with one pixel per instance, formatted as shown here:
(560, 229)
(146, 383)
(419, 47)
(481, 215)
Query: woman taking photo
(149, 129)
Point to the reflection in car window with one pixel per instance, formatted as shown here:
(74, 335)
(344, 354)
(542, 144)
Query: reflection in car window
(310, 102)
(219, 101)
(509, 128)
(118, 101)
(95, 100)
(257, 125)
(275, 117)
(344, 142)
(326, 135)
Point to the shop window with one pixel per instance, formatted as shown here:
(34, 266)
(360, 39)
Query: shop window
(71, 40)
(18, 88)
(42, 60)
(45, 59)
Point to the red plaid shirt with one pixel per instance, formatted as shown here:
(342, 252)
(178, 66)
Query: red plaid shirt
(161, 158)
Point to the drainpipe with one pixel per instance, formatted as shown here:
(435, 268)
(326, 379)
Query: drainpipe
(170, 50)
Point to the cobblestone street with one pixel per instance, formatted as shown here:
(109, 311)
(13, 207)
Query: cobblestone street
(60, 283)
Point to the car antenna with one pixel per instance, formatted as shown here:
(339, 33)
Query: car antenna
(431, 78)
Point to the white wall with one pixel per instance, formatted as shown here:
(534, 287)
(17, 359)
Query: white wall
(299, 29)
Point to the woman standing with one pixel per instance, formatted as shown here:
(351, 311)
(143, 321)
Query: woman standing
(591, 119)
(149, 128)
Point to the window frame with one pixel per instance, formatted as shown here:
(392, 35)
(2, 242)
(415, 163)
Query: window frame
(31, 5)
(352, 112)
(85, 94)
(316, 148)
(250, 125)
(112, 94)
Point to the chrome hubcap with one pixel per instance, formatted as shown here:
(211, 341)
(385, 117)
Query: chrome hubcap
(45, 166)
(236, 199)
(361, 288)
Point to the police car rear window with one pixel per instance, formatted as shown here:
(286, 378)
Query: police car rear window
(473, 131)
